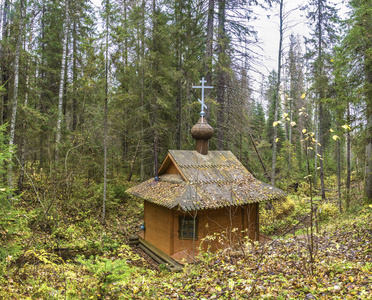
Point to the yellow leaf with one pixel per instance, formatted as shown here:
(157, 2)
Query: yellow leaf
(318, 168)
(332, 60)
(275, 123)
(331, 130)
(311, 148)
(335, 137)
(303, 130)
(319, 144)
(351, 278)
(288, 119)
(285, 115)
(303, 96)
(293, 123)
(300, 113)
(277, 140)
(370, 205)
(346, 127)
(318, 154)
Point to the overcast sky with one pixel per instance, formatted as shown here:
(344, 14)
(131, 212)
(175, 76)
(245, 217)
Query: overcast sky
(267, 26)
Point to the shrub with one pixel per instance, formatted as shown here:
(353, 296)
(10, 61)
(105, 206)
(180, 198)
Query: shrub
(327, 210)
(13, 227)
(272, 219)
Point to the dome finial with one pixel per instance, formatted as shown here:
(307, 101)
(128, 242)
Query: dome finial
(202, 131)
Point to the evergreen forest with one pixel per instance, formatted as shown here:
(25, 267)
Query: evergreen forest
(94, 94)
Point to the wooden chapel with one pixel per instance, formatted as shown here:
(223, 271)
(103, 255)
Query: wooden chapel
(202, 194)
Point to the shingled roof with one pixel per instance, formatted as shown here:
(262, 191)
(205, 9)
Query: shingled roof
(214, 180)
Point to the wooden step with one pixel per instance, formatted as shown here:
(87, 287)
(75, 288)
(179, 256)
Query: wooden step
(158, 255)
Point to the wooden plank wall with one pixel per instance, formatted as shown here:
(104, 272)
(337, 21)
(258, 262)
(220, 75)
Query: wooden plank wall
(251, 221)
(162, 227)
(158, 222)
(182, 244)
(227, 223)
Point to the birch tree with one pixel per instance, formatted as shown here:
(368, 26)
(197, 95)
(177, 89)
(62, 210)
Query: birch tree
(15, 89)
(3, 61)
(62, 81)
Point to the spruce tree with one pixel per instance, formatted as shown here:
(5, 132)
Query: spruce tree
(358, 43)
(322, 17)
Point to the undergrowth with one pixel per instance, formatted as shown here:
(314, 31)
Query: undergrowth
(70, 255)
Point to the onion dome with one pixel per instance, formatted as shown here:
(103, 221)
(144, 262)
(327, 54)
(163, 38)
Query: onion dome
(202, 132)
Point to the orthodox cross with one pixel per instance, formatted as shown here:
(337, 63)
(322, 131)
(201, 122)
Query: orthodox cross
(202, 87)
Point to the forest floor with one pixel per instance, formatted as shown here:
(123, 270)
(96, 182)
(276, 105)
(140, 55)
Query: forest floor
(81, 259)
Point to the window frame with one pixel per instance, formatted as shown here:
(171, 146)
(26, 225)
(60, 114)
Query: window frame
(181, 225)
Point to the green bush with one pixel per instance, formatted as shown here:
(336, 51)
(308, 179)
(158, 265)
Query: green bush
(13, 225)
(327, 210)
(274, 218)
(107, 271)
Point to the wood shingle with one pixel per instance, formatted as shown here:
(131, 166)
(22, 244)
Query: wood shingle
(210, 181)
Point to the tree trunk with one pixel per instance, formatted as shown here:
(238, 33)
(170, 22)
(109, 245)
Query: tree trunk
(4, 63)
(25, 123)
(321, 175)
(289, 143)
(62, 83)
(277, 96)
(156, 88)
(266, 174)
(339, 172)
(105, 118)
(15, 93)
(74, 78)
(348, 157)
(209, 52)
(316, 121)
(179, 20)
(142, 79)
(221, 74)
(368, 182)
(321, 97)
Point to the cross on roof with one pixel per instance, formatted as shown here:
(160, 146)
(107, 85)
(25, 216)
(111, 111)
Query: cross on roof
(202, 87)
